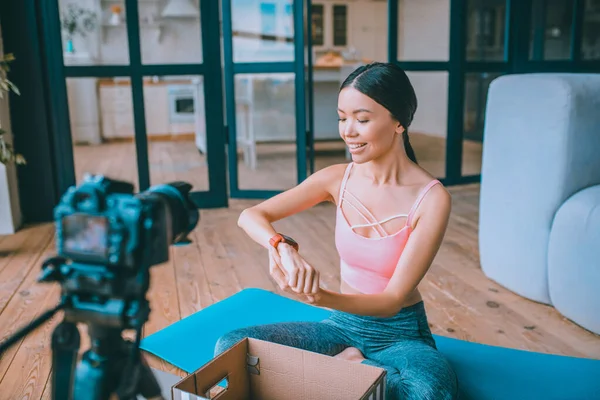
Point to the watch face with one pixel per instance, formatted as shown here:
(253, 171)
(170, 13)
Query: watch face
(289, 239)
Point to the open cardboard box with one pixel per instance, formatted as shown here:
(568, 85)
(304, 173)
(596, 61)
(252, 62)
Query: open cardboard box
(259, 370)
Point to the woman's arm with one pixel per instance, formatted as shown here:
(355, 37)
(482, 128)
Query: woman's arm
(257, 221)
(417, 257)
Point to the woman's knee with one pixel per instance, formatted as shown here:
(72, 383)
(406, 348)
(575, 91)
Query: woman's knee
(437, 383)
(270, 333)
(417, 380)
(229, 339)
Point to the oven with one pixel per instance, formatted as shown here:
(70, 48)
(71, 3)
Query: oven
(182, 105)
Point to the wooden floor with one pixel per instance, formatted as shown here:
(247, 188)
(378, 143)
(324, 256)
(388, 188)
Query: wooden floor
(461, 302)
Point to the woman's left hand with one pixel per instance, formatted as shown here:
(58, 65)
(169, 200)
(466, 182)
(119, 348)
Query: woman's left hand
(280, 276)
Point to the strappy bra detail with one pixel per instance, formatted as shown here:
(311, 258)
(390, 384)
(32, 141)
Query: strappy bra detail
(367, 263)
(371, 216)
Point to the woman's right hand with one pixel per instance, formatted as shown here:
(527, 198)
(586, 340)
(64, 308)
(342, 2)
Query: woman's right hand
(299, 275)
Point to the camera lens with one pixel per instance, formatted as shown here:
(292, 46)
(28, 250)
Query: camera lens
(184, 215)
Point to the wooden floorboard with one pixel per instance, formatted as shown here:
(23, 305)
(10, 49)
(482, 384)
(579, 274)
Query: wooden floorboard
(221, 260)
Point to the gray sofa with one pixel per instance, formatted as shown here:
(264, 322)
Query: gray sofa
(539, 232)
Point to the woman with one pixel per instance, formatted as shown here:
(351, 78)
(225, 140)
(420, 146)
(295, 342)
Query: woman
(391, 218)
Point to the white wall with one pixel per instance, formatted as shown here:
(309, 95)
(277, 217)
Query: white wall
(172, 40)
(432, 97)
(10, 210)
(423, 35)
(423, 30)
(247, 18)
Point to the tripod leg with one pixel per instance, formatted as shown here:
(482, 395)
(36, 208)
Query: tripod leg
(101, 365)
(65, 346)
(108, 369)
(30, 327)
(139, 378)
(148, 385)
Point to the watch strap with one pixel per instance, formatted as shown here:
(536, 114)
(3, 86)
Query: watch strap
(279, 238)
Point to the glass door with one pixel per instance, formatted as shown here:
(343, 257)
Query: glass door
(343, 36)
(265, 95)
(138, 75)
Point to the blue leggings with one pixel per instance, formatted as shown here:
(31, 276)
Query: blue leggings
(402, 345)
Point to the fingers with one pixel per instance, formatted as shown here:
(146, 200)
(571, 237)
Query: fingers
(315, 283)
(309, 278)
(277, 273)
(299, 274)
(302, 278)
(275, 254)
(293, 278)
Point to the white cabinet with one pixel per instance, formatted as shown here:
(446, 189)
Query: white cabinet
(83, 103)
(329, 21)
(83, 110)
(116, 109)
(341, 25)
(156, 109)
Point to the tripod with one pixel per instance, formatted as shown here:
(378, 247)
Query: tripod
(111, 366)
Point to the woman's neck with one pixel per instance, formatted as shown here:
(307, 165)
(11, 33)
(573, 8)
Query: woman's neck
(389, 169)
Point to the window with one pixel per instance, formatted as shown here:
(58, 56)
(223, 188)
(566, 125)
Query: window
(340, 29)
(268, 21)
(317, 16)
(329, 25)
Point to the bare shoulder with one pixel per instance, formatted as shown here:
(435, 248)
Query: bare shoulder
(331, 172)
(438, 197)
(436, 205)
(332, 176)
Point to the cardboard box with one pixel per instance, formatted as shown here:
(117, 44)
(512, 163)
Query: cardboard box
(259, 370)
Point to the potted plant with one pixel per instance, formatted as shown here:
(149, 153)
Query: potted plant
(10, 210)
(7, 154)
(76, 20)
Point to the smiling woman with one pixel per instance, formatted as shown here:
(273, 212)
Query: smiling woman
(391, 218)
(389, 103)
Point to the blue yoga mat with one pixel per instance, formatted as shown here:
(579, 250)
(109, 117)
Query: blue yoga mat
(484, 372)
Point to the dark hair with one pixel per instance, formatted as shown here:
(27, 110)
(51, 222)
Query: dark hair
(388, 85)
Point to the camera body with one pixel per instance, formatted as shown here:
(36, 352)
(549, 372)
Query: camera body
(102, 222)
(109, 238)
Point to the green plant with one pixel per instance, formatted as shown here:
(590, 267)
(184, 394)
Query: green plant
(7, 153)
(77, 20)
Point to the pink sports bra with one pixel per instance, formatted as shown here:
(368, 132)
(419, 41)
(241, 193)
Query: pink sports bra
(367, 264)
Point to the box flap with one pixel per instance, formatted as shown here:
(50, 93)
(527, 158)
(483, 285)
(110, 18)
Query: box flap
(294, 374)
(230, 365)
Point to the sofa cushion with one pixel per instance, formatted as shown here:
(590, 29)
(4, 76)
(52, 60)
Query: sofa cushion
(574, 259)
(541, 145)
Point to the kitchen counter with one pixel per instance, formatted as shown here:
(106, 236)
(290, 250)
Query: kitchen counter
(148, 82)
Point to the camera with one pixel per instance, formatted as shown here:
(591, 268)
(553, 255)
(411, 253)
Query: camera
(111, 238)
(101, 222)
(107, 240)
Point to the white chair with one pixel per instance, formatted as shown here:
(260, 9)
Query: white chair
(244, 102)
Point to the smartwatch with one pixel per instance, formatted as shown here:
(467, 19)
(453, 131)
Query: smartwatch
(279, 238)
